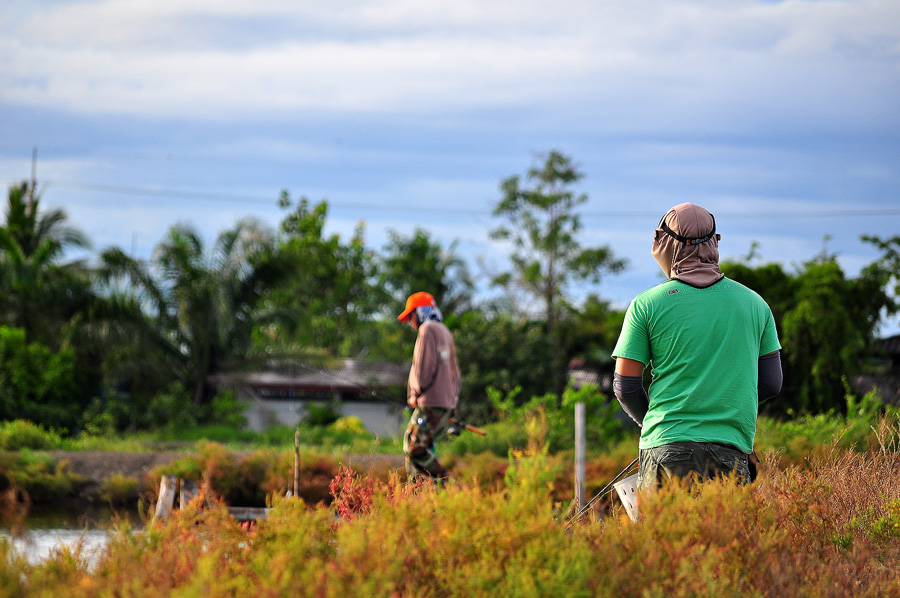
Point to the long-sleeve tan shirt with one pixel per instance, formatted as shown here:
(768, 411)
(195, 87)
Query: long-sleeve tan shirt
(434, 377)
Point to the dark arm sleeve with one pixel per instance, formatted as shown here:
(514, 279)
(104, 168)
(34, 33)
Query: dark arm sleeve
(770, 376)
(629, 390)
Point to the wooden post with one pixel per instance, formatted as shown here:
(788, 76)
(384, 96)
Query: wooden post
(168, 486)
(579, 456)
(189, 491)
(297, 464)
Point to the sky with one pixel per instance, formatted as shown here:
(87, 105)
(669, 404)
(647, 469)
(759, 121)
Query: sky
(781, 118)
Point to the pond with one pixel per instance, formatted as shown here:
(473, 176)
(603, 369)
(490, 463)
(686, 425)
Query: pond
(47, 530)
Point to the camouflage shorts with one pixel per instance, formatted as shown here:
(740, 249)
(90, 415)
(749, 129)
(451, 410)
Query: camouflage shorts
(690, 460)
(425, 425)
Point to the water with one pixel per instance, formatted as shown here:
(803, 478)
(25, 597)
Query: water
(38, 545)
(48, 531)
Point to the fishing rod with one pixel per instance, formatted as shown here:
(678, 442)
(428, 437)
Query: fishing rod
(606, 490)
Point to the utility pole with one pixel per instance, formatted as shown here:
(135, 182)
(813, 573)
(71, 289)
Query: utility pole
(33, 180)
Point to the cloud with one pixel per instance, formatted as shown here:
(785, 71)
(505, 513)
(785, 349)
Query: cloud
(743, 106)
(669, 61)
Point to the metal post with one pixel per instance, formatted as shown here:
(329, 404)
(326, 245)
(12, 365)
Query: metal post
(579, 456)
(297, 464)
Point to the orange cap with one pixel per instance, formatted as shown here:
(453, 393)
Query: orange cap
(420, 299)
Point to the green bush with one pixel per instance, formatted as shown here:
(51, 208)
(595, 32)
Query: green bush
(110, 413)
(499, 439)
(341, 434)
(43, 478)
(322, 414)
(881, 529)
(222, 433)
(798, 438)
(36, 383)
(22, 434)
(278, 436)
(602, 428)
(226, 410)
(119, 489)
(169, 410)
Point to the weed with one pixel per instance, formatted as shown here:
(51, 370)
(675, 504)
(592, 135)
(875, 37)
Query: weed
(21, 434)
(119, 489)
(786, 535)
(40, 476)
(879, 525)
(352, 493)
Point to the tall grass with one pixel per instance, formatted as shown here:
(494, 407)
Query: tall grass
(830, 527)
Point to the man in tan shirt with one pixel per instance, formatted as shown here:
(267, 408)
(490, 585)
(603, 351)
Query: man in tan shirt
(433, 388)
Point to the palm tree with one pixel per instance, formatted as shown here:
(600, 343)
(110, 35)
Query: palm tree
(188, 311)
(39, 291)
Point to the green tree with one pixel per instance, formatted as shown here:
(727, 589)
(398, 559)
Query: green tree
(594, 330)
(542, 224)
(887, 267)
(824, 334)
(41, 291)
(190, 311)
(417, 263)
(44, 294)
(327, 298)
(36, 383)
(826, 323)
(497, 350)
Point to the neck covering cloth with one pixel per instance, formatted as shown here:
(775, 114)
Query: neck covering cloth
(693, 259)
(429, 313)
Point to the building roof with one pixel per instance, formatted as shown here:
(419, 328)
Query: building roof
(347, 375)
(891, 345)
(886, 387)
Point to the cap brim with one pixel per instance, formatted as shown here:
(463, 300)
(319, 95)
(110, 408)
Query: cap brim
(405, 314)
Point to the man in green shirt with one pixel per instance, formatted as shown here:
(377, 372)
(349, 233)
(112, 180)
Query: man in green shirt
(713, 351)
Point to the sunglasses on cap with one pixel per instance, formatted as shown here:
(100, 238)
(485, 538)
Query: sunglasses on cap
(662, 227)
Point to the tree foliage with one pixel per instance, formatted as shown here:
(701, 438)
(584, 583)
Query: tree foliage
(158, 328)
(417, 263)
(327, 297)
(542, 225)
(41, 291)
(887, 267)
(498, 351)
(36, 383)
(191, 310)
(827, 324)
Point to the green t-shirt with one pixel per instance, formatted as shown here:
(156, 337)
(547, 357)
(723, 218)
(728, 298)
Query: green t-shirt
(703, 347)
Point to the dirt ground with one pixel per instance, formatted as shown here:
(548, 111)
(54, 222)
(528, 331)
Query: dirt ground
(96, 465)
(99, 465)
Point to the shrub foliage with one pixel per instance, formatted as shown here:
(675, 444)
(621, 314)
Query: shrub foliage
(826, 528)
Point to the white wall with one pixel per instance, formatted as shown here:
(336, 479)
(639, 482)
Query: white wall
(381, 419)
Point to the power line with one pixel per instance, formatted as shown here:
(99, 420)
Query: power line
(611, 214)
(200, 195)
(164, 193)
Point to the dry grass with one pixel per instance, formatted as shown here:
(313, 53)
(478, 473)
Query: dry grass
(829, 527)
